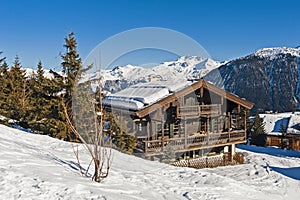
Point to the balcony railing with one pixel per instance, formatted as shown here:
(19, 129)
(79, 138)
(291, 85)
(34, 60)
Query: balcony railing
(195, 111)
(213, 109)
(195, 142)
(187, 111)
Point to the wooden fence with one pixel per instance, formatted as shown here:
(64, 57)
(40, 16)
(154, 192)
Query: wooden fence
(211, 162)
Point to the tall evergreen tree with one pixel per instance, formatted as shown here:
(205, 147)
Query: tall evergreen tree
(258, 133)
(55, 122)
(72, 69)
(4, 91)
(37, 109)
(17, 98)
(71, 64)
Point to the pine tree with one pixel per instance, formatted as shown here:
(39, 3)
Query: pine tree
(258, 133)
(4, 91)
(17, 97)
(122, 140)
(54, 123)
(72, 67)
(38, 108)
(71, 64)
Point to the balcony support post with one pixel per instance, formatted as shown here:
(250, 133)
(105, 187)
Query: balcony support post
(162, 135)
(185, 134)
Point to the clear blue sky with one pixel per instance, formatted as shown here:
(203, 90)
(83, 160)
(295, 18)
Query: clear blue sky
(35, 29)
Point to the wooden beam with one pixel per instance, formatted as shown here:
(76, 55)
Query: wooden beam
(148, 130)
(163, 135)
(185, 134)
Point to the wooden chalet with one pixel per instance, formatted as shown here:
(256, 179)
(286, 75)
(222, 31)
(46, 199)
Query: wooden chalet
(289, 141)
(193, 121)
(283, 129)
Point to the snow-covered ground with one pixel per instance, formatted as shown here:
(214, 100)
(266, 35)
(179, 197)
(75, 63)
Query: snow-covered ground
(40, 167)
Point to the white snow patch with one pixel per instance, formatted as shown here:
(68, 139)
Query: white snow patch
(40, 167)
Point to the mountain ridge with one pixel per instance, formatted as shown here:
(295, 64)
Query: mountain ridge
(268, 77)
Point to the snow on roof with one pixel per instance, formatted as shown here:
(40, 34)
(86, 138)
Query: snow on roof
(137, 96)
(123, 102)
(290, 120)
(171, 85)
(294, 124)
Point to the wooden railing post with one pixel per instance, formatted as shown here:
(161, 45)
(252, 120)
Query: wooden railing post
(185, 133)
(163, 135)
(146, 146)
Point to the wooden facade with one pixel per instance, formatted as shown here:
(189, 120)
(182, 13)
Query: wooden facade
(198, 117)
(289, 141)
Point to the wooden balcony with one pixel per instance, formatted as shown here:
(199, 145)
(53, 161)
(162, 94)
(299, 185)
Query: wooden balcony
(213, 109)
(154, 147)
(196, 111)
(189, 111)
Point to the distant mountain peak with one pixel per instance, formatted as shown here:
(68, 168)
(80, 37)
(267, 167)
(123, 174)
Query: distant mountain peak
(273, 53)
(185, 68)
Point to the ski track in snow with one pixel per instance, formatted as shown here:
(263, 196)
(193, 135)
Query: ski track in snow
(40, 167)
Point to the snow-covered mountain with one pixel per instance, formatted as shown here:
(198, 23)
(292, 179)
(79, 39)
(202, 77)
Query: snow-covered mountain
(269, 78)
(39, 167)
(183, 69)
(47, 74)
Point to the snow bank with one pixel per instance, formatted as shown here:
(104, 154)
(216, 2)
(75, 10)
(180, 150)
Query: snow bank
(40, 167)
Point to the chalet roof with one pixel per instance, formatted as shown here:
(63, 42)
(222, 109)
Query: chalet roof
(202, 83)
(274, 121)
(147, 97)
(140, 95)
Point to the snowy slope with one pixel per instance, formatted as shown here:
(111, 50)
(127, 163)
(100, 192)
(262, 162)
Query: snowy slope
(40, 167)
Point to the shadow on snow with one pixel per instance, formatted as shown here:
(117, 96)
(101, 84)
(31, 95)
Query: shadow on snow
(273, 151)
(293, 172)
